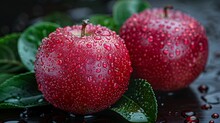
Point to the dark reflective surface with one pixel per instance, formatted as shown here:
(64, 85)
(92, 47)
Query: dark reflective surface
(172, 105)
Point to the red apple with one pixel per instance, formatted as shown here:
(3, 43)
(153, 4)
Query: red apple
(82, 69)
(168, 48)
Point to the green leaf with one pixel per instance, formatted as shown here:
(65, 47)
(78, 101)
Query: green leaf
(104, 20)
(20, 91)
(31, 39)
(9, 58)
(62, 19)
(123, 9)
(5, 76)
(138, 104)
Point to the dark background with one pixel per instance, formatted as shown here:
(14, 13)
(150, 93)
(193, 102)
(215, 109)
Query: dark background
(17, 15)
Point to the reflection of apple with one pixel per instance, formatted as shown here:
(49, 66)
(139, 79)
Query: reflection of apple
(83, 69)
(167, 47)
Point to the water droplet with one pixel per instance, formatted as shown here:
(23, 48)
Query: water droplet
(187, 113)
(203, 88)
(89, 45)
(97, 37)
(24, 114)
(190, 64)
(40, 100)
(99, 57)
(165, 51)
(177, 29)
(59, 55)
(115, 85)
(104, 65)
(107, 46)
(89, 78)
(177, 52)
(100, 76)
(40, 87)
(59, 62)
(169, 43)
(98, 70)
(191, 119)
(213, 98)
(109, 71)
(215, 115)
(150, 39)
(206, 107)
(98, 50)
(171, 55)
(211, 121)
(106, 33)
(42, 115)
(117, 46)
(109, 56)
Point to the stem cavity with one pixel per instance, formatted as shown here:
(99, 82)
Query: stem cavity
(165, 10)
(84, 24)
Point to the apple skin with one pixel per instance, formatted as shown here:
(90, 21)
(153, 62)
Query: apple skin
(82, 75)
(169, 52)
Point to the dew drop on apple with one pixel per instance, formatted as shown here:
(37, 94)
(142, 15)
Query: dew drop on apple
(165, 51)
(109, 56)
(100, 76)
(97, 37)
(171, 55)
(177, 29)
(109, 71)
(59, 62)
(105, 33)
(117, 46)
(89, 78)
(59, 55)
(99, 64)
(104, 64)
(89, 45)
(215, 115)
(168, 27)
(98, 70)
(40, 87)
(99, 57)
(116, 85)
(177, 52)
(107, 46)
(150, 39)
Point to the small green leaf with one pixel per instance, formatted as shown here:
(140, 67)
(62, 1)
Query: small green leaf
(123, 9)
(62, 19)
(31, 39)
(138, 104)
(20, 91)
(104, 20)
(9, 58)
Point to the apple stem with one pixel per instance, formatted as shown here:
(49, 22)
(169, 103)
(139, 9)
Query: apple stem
(165, 10)
(84, 24)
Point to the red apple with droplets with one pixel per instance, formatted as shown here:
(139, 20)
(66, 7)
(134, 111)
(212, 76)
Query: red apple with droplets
(167, 47)
(83, 69)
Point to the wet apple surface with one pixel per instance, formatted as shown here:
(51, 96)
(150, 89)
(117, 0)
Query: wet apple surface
(199, 103)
